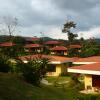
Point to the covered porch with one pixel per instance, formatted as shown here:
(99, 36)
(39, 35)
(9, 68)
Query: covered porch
(91, 74)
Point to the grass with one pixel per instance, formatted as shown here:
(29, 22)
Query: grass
(13, 87)
(52, 79)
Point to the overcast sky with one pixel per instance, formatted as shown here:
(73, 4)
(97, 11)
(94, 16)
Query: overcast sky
(48, 16)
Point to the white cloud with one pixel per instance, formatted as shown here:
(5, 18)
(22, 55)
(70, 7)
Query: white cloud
(56, 33)
(40, 5)
(35, 16)
(92, 32)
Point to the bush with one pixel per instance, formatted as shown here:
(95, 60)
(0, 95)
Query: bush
(13, 68)
(88, 97)
(34, 70)
(4, 64)
(87, 52)
(79, 86)
(73, 52)
(74, 81)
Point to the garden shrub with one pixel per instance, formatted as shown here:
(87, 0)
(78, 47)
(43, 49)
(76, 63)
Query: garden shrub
(34, 70)
(87, 97)
(74, 82)
(4, 65)
(87, 52)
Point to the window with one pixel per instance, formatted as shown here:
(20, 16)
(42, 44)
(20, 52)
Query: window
(51, 68)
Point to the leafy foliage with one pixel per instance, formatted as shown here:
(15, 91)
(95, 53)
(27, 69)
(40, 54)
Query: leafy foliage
(11, 52)
(68, 25)
(34, 70)
(73, 52)
(87, 52)
(19, 40)
(67, 29)
(4, 64)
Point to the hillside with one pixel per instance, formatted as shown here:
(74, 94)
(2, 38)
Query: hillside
(13, 87)
(4, 38)
(97, 41)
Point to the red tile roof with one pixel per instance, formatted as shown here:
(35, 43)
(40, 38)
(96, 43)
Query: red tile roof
(32, 38)
(7, 44)
(32, 45)
(51, 58)
(52, 42)
(59, 48)
(88, 59)
(35, 38)
(75, 46)
(93, 67)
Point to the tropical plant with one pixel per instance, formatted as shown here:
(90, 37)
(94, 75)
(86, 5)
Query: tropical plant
(4, 64)
(72, 52)
(34, 70)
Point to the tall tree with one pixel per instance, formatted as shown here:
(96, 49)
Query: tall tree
(8, 27)
(67, 29)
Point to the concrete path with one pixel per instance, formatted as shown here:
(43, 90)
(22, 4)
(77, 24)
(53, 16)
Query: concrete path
(43, 81)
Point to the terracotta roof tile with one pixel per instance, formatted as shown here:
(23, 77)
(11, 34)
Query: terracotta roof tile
(59, 48)
(93, 67)
(51, 58)
(7, 44)
(88, 59)
(32, 38)
(32, 45)
(52, 42)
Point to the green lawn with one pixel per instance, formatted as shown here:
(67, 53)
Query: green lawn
(14, 88)
(52, 79)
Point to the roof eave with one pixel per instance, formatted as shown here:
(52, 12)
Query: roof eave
(52, 62)
(92, 72)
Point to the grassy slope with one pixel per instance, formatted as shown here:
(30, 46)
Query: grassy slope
(52, 79)
(13, 88)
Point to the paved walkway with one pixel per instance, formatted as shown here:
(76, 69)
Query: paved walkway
(88, 92)
(43, 81)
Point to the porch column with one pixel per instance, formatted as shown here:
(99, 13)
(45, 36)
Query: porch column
(88, 81)
(58, 69)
